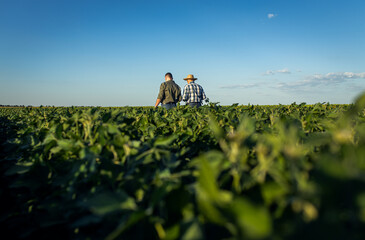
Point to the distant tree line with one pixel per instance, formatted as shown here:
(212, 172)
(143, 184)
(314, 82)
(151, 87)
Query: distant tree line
(45, 106)
(2, 105)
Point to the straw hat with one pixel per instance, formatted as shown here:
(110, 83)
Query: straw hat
(190, 77)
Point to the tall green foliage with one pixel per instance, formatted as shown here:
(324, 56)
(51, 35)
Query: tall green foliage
(235, 172)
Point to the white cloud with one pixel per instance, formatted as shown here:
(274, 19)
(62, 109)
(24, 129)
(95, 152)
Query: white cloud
(309, 84)
(272, 72)
(329, 79)
(285, 70)
(252, 85)
(336, 77)
(271, 15)
(269, 72)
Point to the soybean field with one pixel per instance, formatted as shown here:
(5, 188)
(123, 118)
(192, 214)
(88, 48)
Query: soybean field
(217, 172)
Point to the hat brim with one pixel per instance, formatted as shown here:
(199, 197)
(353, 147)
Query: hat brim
(190, 78)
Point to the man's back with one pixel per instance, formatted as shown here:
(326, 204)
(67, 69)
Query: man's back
(170, 92)
(193, 93)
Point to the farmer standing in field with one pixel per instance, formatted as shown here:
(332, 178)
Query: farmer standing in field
(170, 93)
(193, 93)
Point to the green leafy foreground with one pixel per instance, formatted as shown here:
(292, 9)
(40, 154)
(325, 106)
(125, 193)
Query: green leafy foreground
(237, 172)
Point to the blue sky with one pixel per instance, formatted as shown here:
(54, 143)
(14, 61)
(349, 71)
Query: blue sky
(115, 53)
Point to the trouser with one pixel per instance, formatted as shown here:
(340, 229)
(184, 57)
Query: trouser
(168, 105)
(194, 104)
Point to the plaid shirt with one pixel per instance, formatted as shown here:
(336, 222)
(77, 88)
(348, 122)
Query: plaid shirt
(193, 93)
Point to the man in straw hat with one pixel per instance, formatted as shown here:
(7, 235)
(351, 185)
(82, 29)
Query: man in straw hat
(193, 93)
(170, 93)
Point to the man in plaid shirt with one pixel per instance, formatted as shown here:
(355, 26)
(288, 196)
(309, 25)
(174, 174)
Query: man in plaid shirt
(193, 93)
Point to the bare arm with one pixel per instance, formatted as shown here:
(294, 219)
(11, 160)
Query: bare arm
(157, 102)
(161, 94)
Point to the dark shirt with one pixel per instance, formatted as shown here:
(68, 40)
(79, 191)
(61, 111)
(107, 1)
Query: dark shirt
(170, 92)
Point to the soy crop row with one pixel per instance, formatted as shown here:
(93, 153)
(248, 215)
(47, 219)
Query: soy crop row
(217, 172)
